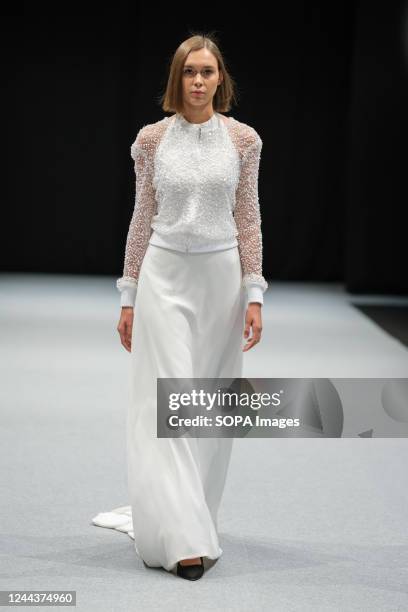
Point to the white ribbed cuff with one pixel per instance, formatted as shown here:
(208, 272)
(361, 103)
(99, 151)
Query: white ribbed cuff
(255, 294)
(128, 296)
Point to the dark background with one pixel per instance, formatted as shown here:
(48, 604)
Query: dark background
(324, 84)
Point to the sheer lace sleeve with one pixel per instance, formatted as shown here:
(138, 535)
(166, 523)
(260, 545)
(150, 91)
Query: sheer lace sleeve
(248, 219)
(142, 152)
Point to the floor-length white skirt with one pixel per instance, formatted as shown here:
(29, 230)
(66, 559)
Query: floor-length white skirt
(188, 323)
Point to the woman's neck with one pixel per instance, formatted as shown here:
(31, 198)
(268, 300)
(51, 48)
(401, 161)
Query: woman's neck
(196, 115)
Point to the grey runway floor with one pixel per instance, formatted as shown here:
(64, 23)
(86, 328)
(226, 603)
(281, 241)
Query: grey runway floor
(305, 524)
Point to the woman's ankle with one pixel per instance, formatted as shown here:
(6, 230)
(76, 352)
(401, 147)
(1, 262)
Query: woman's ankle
(195, 561)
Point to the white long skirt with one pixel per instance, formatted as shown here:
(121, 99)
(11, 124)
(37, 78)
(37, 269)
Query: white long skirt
(188, 323)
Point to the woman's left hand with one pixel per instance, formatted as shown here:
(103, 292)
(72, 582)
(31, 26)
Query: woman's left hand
(253, 318)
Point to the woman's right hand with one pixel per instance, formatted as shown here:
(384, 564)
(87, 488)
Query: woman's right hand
(125, 327)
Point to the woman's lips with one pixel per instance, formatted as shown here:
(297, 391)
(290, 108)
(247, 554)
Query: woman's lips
(198, 93)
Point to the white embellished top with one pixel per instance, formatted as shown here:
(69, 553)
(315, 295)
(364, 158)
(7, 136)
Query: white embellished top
(196, 191)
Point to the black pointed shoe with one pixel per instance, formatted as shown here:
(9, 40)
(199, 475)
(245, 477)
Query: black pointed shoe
(190, 572)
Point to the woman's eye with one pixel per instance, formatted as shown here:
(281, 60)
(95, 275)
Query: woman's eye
(189, 71)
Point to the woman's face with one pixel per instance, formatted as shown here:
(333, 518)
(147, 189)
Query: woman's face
(200, 74)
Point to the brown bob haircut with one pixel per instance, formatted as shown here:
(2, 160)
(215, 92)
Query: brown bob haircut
(172, 99)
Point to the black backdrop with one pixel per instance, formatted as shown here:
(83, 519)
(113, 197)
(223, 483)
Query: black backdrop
(324, 84)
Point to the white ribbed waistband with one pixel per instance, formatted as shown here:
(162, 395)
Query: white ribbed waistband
(169, 242)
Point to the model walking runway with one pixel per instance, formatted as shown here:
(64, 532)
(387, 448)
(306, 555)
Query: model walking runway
(193, 276)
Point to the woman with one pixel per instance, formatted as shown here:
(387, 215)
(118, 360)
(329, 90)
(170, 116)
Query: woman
(192, 285)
